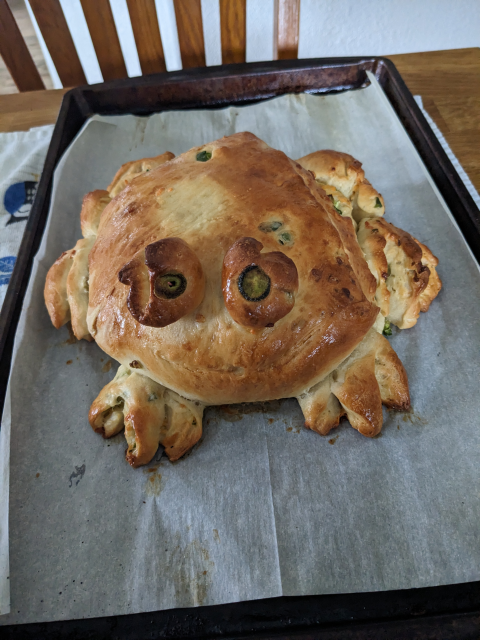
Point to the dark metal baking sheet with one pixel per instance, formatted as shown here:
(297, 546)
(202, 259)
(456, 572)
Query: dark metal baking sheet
(401, 612)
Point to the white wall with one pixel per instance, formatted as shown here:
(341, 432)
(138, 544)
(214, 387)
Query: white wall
(327, 28)
(381, 27)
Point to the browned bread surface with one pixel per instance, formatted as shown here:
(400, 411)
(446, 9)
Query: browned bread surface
(404, 268)
(155, 275)
(92, 208)
(335, 168)
(273, 285)
(131, 170)
(340, 171)
(232, 274)
(78, 287)
(371, 376)
(55, 292)
(149, 413)
(244, 189)
(434, 285)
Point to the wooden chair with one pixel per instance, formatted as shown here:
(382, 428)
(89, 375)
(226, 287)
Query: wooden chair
(143, 17)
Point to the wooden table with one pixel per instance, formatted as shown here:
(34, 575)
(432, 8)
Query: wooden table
(448, 81)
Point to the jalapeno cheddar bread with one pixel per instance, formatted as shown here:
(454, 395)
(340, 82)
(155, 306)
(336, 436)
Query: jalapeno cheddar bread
(234, 274)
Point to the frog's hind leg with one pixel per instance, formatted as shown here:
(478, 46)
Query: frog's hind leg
(66, 285)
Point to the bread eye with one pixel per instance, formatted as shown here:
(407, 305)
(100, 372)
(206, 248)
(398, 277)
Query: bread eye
(258, 288)
(253, 283)
(170, 286)
(166, 282)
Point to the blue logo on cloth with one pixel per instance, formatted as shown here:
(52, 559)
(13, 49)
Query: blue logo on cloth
(6, 268)
(18, 199)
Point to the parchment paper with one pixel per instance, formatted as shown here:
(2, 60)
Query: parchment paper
(262, 507)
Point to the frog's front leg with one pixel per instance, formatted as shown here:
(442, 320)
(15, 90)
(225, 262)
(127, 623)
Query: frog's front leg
(149, 413)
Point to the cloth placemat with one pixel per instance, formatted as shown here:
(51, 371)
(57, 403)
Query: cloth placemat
(22, 156)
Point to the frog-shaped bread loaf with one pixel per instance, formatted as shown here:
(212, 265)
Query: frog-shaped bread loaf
(233, 274)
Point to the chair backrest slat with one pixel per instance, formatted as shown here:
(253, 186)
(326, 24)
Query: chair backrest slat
(15, 53)
(101, 25)
(54, 28)
(287, 22)
(144, 21)
(233, 22)
(146, 32)
(190, 32)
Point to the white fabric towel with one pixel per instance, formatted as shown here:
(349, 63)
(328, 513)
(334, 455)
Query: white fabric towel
(22, 156)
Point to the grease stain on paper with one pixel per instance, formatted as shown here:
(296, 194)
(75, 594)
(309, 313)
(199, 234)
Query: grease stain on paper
(191, 570)
(107, 366)
(414, 418)
(155, 482)
(231, 414)
(235, 412)
(294, 429)
(71, 336)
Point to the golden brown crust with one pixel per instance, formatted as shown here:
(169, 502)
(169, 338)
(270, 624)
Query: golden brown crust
(370, 376)
(92, 208)
(279, 297)
(334, 169)
(321, 409)
(340, 202)
(359, 395)
(149, 300)
(405, 271)
(149, 413)
(66, 285)
(78, 286)
(355, 257)
(367, 202)
(391, 377)
(131, 170)
(432, 290)
(299, 325)
(243, 187)
(183, 427)
(55, 292)
(373, 245)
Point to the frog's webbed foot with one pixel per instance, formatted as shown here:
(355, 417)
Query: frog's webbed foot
(371, 376)
(150, 414)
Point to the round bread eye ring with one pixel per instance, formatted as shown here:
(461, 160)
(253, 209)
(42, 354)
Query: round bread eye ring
(170, 285)
(253, 283)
